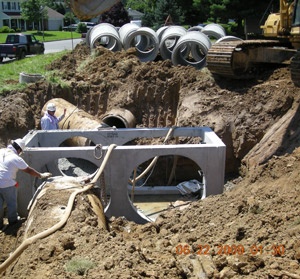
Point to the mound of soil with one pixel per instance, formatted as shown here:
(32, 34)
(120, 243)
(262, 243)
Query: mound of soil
(251, 230)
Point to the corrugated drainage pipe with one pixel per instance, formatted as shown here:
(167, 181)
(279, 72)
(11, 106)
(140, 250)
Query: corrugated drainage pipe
(119, 118)
(169, 40)
(145, 41)
(214, 30)
(106, 35)
(198, 44)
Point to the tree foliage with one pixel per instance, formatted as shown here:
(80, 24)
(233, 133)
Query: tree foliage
(33, 10)
(166, 8)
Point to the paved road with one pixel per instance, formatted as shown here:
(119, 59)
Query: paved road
(57, 46)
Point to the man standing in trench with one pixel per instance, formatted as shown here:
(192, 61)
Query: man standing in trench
(10, 163)
(49, 121)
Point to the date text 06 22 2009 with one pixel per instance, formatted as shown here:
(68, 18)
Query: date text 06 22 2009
(274, 250)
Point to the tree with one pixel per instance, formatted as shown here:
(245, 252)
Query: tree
(165, 8)
(69, 18)
(34, 11)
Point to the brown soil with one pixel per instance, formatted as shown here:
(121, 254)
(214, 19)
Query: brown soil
(257, 217)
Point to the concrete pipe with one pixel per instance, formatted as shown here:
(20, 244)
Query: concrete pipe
(75, 119)
(196, 28)
(160, 31)
(169, 40)
(106, 35)
(145, 41)
(228, 39)
(126, 30)
(119, 118)
(214, 30)
(29, 78)
(198, 45)
(87, 37)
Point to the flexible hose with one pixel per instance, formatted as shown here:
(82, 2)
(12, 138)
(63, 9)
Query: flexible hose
(154, 159)
(62, 222)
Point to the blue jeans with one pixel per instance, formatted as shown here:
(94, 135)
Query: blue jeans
(8, 195)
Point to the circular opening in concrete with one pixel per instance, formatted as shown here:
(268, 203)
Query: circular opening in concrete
(170, 181)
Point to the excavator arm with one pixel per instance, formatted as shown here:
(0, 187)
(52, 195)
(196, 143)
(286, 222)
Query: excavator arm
(87, 9)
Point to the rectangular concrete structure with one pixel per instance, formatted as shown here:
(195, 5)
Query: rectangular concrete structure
(43, 150)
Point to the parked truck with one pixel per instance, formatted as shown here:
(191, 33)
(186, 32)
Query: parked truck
(19, 45)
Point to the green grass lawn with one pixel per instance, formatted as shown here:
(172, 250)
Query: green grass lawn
(47, 36)
(9, 73)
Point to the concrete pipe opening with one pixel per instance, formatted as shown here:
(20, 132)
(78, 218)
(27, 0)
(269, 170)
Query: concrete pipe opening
(145, 41)
(191, 50)
(119, 118)
(126, 30)
(106, 35)
(160, 32)
(169, 40)
(214, 30)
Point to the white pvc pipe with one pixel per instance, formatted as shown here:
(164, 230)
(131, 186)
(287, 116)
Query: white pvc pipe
(106, 35)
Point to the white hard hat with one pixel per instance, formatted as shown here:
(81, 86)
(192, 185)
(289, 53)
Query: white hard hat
(20, 142)
(51, 107)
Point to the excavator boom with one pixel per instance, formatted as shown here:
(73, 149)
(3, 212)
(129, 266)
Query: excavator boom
(87, 9)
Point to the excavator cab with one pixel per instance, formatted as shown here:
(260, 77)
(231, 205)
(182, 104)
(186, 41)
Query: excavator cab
(295, 28)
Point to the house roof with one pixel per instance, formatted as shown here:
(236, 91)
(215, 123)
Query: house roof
(3, 16)
(52, 14)
(134, 13)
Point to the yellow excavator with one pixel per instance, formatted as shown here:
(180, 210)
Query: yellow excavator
(242, 59)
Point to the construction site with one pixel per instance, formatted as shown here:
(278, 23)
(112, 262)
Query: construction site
(238, 138)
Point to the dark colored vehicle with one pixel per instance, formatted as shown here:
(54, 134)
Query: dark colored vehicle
(71, 27)
(19, 45)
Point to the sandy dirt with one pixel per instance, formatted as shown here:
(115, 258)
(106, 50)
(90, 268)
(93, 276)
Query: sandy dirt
(249, 231)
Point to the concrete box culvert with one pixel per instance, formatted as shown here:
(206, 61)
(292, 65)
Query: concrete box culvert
(119, 118)
(145, 41)
(169, 40)
(106, 35)
(214, 30)
(197, 45)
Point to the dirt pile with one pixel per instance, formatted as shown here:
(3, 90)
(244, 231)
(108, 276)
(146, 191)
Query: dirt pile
(257, 218)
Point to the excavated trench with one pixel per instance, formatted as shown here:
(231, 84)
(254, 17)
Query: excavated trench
(255, 119)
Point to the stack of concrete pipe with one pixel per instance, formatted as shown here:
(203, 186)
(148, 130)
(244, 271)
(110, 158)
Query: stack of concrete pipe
(182, 46)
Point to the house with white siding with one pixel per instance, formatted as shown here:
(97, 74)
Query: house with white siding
(10, 15)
